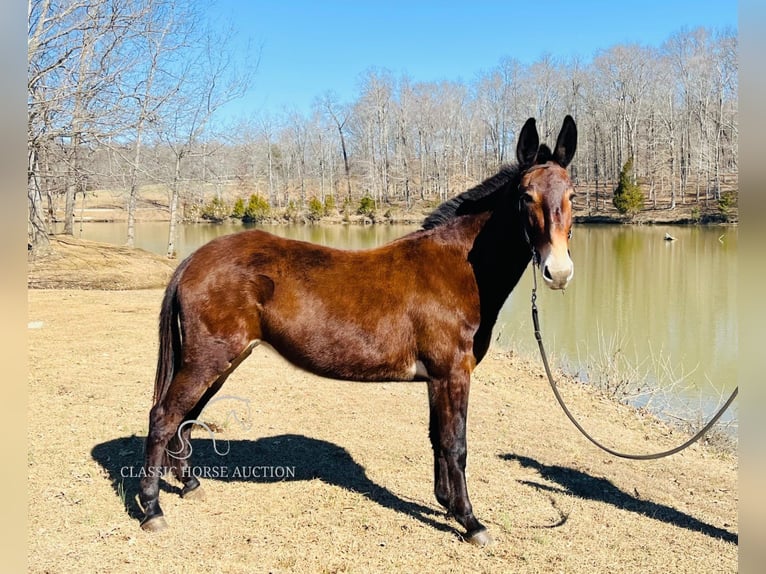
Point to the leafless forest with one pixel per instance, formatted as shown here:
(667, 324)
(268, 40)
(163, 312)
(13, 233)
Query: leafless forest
(126, 95)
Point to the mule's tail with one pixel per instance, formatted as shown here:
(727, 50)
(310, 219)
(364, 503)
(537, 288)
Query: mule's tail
(171, 345)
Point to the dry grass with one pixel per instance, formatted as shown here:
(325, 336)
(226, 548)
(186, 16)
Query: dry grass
(81, 264)
(360, 499)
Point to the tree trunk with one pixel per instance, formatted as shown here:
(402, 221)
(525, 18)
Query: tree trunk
(37, 230)
(173, 227)
(133, 193)
(71, 189)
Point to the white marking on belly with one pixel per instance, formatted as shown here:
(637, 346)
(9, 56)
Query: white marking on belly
(419, 370)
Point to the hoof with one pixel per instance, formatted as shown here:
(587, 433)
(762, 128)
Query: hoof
(195, 493)
(154, 524)
(480, 538)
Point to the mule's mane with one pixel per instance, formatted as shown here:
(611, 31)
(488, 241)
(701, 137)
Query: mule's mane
(478, 199)
(484, 196)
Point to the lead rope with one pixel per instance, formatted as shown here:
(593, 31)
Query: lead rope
(571, 417)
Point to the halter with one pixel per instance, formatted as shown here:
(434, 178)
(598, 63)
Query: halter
(527, 240)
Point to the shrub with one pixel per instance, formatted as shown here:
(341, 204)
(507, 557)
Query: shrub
(291, 211)
(238, 210)
(628, 197)
(316, 209)
(329, 204)
(695, 214)
(366, 206)
(257, 209)
(727, 201)
(216, 210)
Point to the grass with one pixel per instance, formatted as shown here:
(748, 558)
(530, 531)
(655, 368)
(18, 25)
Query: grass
(361, 500)
(653, 384)
(122, 494)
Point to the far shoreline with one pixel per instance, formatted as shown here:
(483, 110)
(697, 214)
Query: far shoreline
(408, 217)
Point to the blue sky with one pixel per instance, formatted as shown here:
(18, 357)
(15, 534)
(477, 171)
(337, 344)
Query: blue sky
(311, 47)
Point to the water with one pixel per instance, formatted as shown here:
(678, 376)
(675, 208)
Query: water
(153, 235)
(666, 310)
(663, 310)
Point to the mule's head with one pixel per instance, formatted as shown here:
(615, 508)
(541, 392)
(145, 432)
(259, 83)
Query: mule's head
(546, 200)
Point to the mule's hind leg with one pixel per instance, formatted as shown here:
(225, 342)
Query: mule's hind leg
(179, 447)
(185, 391)
(182, 438)
(191, 489)
(188, 393)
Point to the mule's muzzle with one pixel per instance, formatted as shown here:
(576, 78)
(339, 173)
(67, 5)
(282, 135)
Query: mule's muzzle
(557, 272)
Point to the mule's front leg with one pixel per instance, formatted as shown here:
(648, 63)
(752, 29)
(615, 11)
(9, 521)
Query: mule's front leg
(448, 401)
(442, 489)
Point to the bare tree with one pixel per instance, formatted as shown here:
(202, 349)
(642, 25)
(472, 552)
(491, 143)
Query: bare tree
(673, 110)
(78, 67)
(153, 86)
(207, 82)
(51, 46)
(373, 117)
(100, 73)
(339, 115)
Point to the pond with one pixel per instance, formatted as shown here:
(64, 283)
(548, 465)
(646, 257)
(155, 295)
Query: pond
(639, 308)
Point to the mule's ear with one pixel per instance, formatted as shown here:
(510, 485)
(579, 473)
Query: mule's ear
(529, 142)
(566, 144)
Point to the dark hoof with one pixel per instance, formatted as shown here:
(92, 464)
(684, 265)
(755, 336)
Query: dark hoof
(195, 493)
(154, 524)
(480, 537)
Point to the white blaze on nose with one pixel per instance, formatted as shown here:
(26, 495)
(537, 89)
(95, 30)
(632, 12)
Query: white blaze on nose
(557, 268)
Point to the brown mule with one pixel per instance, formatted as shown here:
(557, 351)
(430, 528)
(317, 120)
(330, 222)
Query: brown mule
(421, 307)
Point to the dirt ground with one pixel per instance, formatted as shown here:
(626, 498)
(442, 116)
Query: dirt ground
(315, 475)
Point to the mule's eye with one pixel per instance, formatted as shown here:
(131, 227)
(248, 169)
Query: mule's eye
(569, 235)
(528, 198)
(572, 197)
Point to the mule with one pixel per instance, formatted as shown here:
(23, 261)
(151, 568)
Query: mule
(419, 308)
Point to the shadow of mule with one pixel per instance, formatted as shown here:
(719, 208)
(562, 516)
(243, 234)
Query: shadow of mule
(582, 485)
(282, 458)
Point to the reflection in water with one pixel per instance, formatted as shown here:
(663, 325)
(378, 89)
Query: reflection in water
(668, 308)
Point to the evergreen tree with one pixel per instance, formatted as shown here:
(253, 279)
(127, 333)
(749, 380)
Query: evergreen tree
(238, 210)
(257, 209)
(628, 197)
